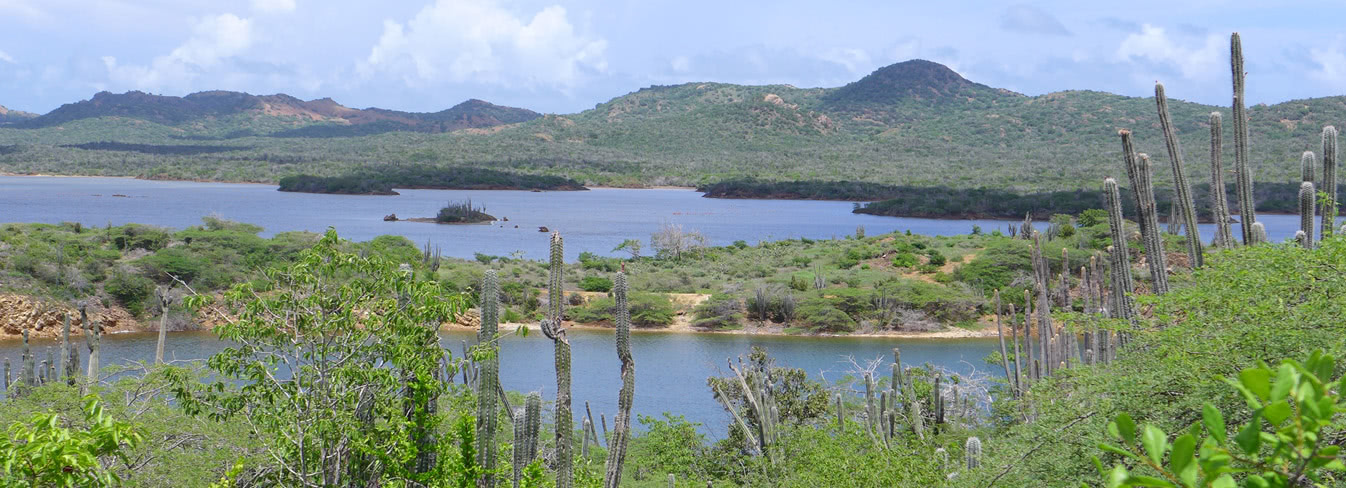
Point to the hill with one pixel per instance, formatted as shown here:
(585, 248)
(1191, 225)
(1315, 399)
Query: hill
(915, 124)
(249, 114)
(8, 116)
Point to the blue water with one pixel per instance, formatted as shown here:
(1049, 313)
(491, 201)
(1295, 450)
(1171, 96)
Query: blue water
(671, 368)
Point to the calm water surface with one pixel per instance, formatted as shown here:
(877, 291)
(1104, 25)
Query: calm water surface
(671, 368)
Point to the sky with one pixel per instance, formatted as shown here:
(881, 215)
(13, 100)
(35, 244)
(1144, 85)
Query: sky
(564, 56)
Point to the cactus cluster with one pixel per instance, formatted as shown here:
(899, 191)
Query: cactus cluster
(527, 424)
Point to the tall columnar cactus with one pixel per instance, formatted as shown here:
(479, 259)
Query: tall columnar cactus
(489, 378)
(1259, 233)
(532, 425)
(520, 445)
(1138, 169)
(972, 450)
(65, 349)
(165, 301)
(1329, 183)
(1306, 212)
(1224, 237)
(1000, 333)
(1184, 206)
(551, 327)
(93, 334)
(841, 410)
(622, 421)
(1242, 168)
(29, 369)
(1118, 255)
(1307, 166)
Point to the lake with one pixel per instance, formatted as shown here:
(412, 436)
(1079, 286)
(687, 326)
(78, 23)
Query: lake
(671, 368)
(595, 221)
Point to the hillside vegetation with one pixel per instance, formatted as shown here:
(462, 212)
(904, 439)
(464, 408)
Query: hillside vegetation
(914, 124)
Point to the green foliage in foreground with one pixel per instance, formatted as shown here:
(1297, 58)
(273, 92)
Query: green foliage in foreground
(46, 452)
(1248, 306)
(1297, 401)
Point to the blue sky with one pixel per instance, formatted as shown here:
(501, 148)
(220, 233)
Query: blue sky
(565, 56)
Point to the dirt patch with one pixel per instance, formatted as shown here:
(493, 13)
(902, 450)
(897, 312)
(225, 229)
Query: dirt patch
(44, 319)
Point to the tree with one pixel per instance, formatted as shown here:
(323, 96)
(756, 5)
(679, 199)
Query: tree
(336, 369)
(670, 241)
(631, 246)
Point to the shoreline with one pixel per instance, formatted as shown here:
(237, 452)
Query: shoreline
(947, 333)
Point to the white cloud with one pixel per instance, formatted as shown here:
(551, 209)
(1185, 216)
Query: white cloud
(213, 40)
(855, 60)
(480, 41)
(1331, 62)
(273, 6)
(4, 56)
(1153, 44)
(681, 64)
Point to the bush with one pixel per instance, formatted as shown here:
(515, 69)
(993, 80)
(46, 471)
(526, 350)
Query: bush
(596, 283)
(904, 260)
(173, 261)
(822, 316)
(647, 310)
(936, 259)
(131, 290)
(719, 311)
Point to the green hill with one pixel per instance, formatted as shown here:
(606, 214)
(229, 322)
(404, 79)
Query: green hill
(914, 124)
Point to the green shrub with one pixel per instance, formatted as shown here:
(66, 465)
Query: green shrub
(904, 260)
(596, 283)
(936, 259)
(647, 310)
(130, 289)
(173, 261)
(819, 314)
(719, 311)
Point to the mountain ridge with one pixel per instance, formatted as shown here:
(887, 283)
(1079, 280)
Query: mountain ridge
(915, 124)
(175, 111)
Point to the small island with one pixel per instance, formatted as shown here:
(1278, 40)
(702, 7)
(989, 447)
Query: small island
(460, 212)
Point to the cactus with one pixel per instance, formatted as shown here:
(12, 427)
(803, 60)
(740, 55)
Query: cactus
(1184, 208)
(1000, 333)
(532, 425)
(520, 445)
(672, 480)
(92, 337)
(1018, 367)
(65, 347)
(29, 374)
(1329, 183)
(1242, 170)
(972, 449)
(622, 421)
(552, 328)
(488, 381)
(165, 300)
(1307, 166)
(1138, 170)
(1259, 233)
(1224, 237)
(837, 397)
(1306, 212)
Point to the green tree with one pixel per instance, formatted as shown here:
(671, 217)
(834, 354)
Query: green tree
(336, 368)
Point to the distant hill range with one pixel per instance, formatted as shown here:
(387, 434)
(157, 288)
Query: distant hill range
(913, 124)
(323, 117)
(8, 116)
